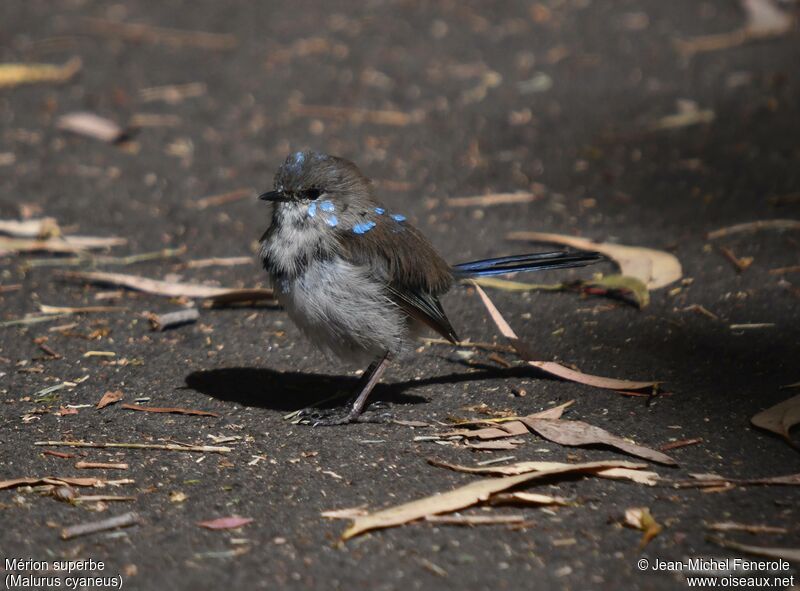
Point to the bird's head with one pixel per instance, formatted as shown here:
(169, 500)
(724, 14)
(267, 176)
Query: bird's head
(308, 177)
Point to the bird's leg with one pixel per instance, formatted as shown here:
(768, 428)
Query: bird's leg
(356, 404)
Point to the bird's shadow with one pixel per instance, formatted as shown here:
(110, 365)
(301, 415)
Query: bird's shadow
(286, 391)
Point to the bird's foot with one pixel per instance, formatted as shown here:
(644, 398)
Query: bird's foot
(328, 417)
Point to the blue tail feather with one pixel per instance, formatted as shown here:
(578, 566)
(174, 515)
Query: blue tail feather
(538, 261)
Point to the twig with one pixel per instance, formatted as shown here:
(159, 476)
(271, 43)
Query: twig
(224, 198)
(754, 227)
(356, 115)
(681, 443)
(778, 271)
(101, 466)
(160, 35)
(493, 199)
(172, 319)
(161, 446)
(124, 520)
(471, 345)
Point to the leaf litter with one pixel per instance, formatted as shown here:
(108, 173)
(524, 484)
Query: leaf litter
(780, 419)
(641, 519)
(463, 497)
(654, 268)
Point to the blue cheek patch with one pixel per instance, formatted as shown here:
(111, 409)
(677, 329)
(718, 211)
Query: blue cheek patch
(380, 210)
(312, 210)
(363, 227)
(398, 217)
(331, 221)
(326, 206)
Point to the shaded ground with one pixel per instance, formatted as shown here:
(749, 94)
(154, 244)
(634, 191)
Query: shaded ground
(479, 74)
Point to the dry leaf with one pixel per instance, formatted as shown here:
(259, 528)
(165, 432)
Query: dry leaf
(64, 411)
(172, 289)
(350, 513)
(16, 74)
(749, 528)
(630, 288)
(552, 367)
(654, 268)
(715, 480)
(91, 125)
(225, 522)
(790, 554)
(171, 410)
(635, 474)
(462, 497)
(65, 244)
(749, 227)
(579, 433)
(109, 398)
(641, 519)
(780, 418)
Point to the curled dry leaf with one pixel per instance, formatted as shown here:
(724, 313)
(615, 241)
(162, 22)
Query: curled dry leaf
(109, 398)
(172, 289)
(780, 418)
(641, 519)
(41, 229)
(552, 367)
(225, 522)
(636, 474)
(579, 433)
(462, 497)
(654, 268)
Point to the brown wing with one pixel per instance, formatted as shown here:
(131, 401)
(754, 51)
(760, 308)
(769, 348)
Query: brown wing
(399, 255)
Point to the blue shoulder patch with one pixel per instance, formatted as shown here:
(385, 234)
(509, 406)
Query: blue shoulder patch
(312, 210)
(380, 210)
(332, 221)
(363, 227)
(398, 217)
(326, 206)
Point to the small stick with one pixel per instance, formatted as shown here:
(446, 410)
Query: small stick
(172, 319)
(103, 498)
(161, 446)
(470, 345)
(101, 465)
(681, 443)
(124, 520)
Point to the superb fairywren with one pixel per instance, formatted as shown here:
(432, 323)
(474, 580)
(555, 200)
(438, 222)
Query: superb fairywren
(357, 278)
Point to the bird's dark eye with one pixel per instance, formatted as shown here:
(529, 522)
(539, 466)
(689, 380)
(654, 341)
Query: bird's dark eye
(313, 194)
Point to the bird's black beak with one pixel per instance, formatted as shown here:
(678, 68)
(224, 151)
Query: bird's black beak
(273, 196)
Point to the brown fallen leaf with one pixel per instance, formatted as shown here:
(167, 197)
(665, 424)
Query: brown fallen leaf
(654, 268)
(462, 497)
(635, 474)
(749, 227)
(580, 433)
(91, 125)
(56, 480)
(552, 367)
(780, 419)
(17, 74)
(748, 527)
(554, 412)
(109, 397)
(172, 289)
(171, 410)
(790, 554)
(641, 519)
(225, 522)
(64, 411)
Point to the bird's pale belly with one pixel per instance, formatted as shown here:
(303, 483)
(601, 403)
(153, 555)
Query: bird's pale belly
(343, 310)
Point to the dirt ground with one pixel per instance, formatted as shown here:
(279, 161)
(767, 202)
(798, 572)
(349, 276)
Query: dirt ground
(566, 99)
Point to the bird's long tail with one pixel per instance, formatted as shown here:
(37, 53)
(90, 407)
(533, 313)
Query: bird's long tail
(538, 261)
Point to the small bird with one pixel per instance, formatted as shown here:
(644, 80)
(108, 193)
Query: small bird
(358, 279)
